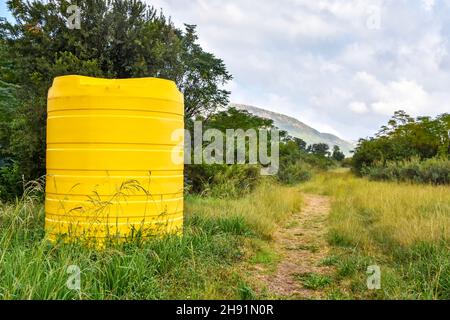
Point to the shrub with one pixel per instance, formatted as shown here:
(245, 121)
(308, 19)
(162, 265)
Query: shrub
(403, 138)
(10, 182)
(320, 162)
(291, 173)
(221, 181)
(435, 171)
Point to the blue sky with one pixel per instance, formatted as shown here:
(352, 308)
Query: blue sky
(342, 67)
(3, 11)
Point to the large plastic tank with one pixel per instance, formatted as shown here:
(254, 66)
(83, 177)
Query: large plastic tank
(110, 171)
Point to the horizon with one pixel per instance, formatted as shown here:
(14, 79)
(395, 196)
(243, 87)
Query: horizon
(340, 69)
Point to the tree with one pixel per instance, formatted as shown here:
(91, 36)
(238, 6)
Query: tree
(8, 104)
(233, 118)
(320, 149)
(117, 39)
(203, 178)
(202, 77)
(337, 154)
(404, 138)
(301, 144)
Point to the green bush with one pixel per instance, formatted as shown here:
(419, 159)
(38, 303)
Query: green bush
(11, 183)
(222, 181)
(401, 139)
(291, 173)
(320, 162)
(434, 171)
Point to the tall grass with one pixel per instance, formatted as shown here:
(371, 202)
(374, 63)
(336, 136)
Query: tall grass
(404, 228)
(261, 211)
(222, 181)
(203, 263)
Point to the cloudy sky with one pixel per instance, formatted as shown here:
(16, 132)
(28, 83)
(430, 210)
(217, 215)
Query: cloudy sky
(340, 66)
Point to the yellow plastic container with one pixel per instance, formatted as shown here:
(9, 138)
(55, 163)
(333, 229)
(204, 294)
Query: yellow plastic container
(110, 171)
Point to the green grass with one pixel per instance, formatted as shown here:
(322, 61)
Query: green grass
(329, 261)
(264, 254)
(314, 281)
(205, 263)
(403, 228)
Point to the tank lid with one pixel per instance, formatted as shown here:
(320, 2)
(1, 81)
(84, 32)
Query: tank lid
(74, 85)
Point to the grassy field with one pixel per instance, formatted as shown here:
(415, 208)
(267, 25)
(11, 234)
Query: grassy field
(402, 228)
(203, 264)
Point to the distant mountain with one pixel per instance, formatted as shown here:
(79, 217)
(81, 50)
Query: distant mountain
(298, 129)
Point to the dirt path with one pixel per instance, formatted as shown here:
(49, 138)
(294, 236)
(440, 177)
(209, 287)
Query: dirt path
(302, 246)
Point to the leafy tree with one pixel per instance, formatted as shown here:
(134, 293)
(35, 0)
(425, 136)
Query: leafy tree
(226, 179)
(404, 138)
(202, 77)
(117, 39)
(337, 154)
(8, 104)
(233, 118)
(301, 144)
(319, 149)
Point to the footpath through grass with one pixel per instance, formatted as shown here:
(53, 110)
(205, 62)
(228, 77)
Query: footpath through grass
(403, 228)
(203, 264)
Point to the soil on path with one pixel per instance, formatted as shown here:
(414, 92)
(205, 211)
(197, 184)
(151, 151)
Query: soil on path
(301, 245)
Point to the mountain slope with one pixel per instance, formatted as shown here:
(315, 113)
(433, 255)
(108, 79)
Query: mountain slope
(298, 129)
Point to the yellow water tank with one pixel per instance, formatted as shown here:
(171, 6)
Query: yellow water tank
(110, 165)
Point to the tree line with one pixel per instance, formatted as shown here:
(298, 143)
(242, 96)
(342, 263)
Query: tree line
(407, 148)
(116, 39)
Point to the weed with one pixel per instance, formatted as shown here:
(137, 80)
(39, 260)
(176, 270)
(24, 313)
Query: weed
(314, 281)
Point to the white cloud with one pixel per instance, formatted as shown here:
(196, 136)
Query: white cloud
(428, 4)
(358, 107)
(405, 95)
(388, 97)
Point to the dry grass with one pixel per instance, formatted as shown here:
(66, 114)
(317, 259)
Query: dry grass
(379, 213)
(264, 209)
(403, 227)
